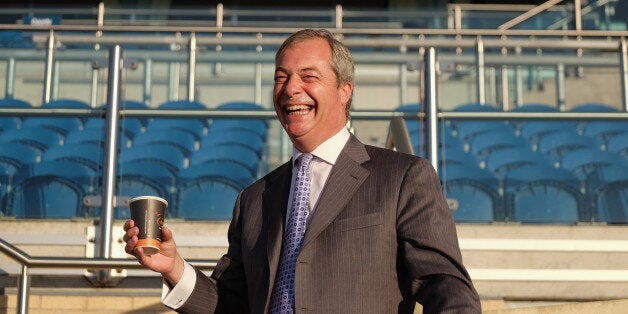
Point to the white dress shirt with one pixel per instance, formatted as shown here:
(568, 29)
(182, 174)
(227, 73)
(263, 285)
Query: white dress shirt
(325, 155)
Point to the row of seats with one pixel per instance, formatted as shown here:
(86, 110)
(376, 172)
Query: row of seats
(199, 166)
(533, 171)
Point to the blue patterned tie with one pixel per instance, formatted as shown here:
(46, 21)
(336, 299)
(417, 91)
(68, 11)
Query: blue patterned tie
(282, 299)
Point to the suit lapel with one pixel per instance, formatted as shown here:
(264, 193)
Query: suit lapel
(275, 200)
(346, 176)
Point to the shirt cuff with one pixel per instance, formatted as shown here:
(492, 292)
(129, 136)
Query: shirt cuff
(175, 297)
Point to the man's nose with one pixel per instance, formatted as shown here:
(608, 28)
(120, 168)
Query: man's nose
(292, 86)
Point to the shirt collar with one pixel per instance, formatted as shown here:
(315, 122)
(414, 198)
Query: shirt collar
(329, 150)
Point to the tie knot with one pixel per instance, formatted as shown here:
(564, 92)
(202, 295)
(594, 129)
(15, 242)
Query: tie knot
(305, 159)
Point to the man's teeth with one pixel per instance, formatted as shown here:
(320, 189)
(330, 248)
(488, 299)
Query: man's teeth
(298, 109)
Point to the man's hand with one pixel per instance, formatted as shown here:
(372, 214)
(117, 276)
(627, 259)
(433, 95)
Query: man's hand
(167, 261)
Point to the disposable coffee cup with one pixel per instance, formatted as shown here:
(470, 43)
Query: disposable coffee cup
(148, 214)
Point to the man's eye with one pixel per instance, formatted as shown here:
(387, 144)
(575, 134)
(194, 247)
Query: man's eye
(280, 79)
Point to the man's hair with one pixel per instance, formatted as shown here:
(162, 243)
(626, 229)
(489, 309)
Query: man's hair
(341, 59)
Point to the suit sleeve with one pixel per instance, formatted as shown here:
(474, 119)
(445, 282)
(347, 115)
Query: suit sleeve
(225, 290)
(429, 253)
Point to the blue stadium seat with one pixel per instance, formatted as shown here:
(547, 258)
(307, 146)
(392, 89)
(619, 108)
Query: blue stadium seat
(10, 123)
(556, 144)
(475, 191)
(535, 107)
(52, 189)
(484, 144)
(604, 130)
(473, 107)
(196, 127)
(182, 104)
(165, 155)
(14, 103)
(178, 138)
(242, 137)
(37, 137)
(583, 162)
(16, 155)
(233, 173)
(500, 162)
(608, 191)
(455, 155)
(534, 131)
(95, 136)
(88, 155)
(130, 127)
(593, 107)
(137, 178)
(257, 125)
(228, 153)
(618, 144)
(15, 39)
(206, 199)
(60, 125)
(543, 194)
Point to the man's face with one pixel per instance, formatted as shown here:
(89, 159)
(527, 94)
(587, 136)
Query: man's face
(308, 102)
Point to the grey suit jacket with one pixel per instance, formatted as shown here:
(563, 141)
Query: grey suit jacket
(381, 238)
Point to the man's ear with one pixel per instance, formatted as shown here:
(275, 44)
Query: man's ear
(346, 91)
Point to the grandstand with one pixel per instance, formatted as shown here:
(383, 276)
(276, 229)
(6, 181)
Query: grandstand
(523, 110)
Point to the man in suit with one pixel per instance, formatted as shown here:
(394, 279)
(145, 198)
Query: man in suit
(379, 235)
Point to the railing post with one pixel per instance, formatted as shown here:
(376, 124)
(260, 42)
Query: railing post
(431, 107)
(403, 83)
(192, 67)
(258, 83)
(111, 149)
(338, 16)
(22, 297)
(560, 86)
(518, 82)
(48, 67)
(10, 78)
(623, 62)
(479, 62)
(148, 81)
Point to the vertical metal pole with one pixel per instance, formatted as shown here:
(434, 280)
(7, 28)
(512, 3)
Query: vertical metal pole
(431, 107)
(623, 62)
(49, 65)
(403, 83)
(479, 61)
(148, 81)
(173, 81)
(560, 86)
(338, 16)
(258, 83)
(22, 300)
(519, 82)
(492, 85)
(457, 17)
(10, 78)
(577, 14)
(219, 14)
(55, 80)
(192, 67)
(94, 89)
(111, 149)
(505, 89)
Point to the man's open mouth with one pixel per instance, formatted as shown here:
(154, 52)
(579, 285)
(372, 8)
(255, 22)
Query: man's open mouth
(298, 109)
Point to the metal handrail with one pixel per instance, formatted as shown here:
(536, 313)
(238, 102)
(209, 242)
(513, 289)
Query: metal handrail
(27, 261)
